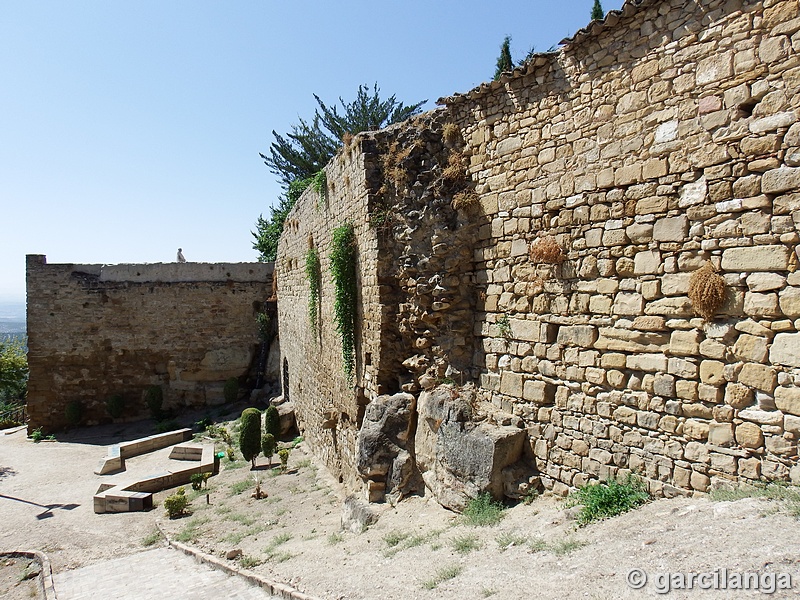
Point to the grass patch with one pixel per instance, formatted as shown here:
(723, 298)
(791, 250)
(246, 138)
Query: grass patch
(563, 547)
(393, 538)
(279, 557)
(248, 562)
(191, 531)
(442, 575)
(486, 592)
(241, 486)
(787, 495)
(604, 500)
(335, 538)
(466, 543)
(483, 511)
(538, 545)
(240, 518)
(398, 540)
(507, 539)
(306, 462)
(223, 510)
(152, 538)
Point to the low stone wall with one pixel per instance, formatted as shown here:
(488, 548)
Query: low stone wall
(99, 330)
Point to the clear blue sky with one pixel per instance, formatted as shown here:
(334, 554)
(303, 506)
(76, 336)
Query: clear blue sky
(131, 128)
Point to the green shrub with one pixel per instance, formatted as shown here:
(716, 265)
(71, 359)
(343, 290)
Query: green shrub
(268, 445)
(74, 413)
(37, 435)
(345, 280)
(115, 405)
(176, 504)
(250, 434)
(483, 511)
(272, 422)
(231, 390)
(283, 454)
(154, 397)
(197, 480)
(231, 453)
(603, 500)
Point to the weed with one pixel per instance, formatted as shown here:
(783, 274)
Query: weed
(239, 518)
(223, 510)
(280, 539)
(603, 500)
(303, 464)
(507, 539)
(37, 435)
(451, 134)
(563, 547)
(537, 545)
(465, 200)
(152, 538)
(248, 562)
(504, 326)
(454, 173)
(466, 543)
(393, 538)
(443, 575)
(241, 486)
(486, 592)
(279, 557)
(335, 538)
(483, 511)
(706, 291)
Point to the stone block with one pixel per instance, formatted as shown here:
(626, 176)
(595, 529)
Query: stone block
(647, 263)
(787, 399)
(760, 377)
(711, 372)
(511, 384)
(785, 350)
(738, 396)
(695, 430)
(671, 229)
(751, 348)
(720, 434)
(756, 258)
(627, 303)
(647, 362)
(577, 335)
(539, 392)
(684, 343)
(789, 300)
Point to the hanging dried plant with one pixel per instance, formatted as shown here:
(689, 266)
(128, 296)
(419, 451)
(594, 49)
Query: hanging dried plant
(546, 251)
(706, 291)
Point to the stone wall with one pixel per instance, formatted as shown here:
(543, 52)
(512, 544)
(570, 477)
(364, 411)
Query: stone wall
(647, 146)
(651, 144)
(99, 330)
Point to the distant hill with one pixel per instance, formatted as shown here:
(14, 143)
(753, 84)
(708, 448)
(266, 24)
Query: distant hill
(12, 320)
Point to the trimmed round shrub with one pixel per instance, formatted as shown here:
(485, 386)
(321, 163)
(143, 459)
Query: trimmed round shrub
(154, 397)
(115, 405)
(268, 446)
(250, 434)
(176, 504)
(231, 390)
(283, 454)
(272, 422)
(74, 413)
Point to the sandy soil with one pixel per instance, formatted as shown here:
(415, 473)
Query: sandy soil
(14, 581)
(294, 535)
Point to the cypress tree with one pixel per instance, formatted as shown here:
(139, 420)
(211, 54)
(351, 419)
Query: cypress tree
(250, 434)
(597, 11)
(272, 422)
(504, 61)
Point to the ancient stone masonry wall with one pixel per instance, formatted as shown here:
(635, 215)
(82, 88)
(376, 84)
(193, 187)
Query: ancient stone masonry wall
(646, 147)
(99, 330)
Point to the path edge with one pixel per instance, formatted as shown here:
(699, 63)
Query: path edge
(275, 588)
(46, 586)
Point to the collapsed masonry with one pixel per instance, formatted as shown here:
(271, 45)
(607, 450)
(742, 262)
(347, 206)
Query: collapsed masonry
(656, 142)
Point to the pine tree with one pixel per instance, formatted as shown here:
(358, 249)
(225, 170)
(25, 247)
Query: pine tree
(504, 61)
(597, 11)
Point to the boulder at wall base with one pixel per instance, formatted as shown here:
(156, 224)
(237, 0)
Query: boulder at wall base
(383, 453)
(287, 418)
(461, 459)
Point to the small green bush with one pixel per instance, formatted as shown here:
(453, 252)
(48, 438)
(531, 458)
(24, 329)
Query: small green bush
(74, 413)
(231, 390)
(176, 504)
(37, 435)
(483, 511)
(197, 480)
(154, 398)
(283, 454)
(272, 422)
(268, 446)
(115, 405)
(250, 434)
(603, 500)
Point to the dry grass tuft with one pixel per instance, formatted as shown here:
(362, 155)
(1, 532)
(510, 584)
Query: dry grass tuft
(546, 251)
(451, 134)
(706, 291)
(347, 139)
(455, 172)
(466, 201)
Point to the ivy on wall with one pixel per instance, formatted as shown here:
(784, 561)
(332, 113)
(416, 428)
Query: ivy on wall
(314, 274)
(343, 269)
(320, 183)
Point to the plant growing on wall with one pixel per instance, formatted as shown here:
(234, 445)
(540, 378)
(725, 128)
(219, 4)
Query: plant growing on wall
(314, 274)
(343, 269)
(320, 183)
(250, 434)
(706, 291)
(504, 326)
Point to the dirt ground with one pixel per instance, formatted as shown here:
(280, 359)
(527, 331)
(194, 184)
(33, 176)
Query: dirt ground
(415, 550)
(16, 582)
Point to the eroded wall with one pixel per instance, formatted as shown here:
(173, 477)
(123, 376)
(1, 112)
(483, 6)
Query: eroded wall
(99, 330)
